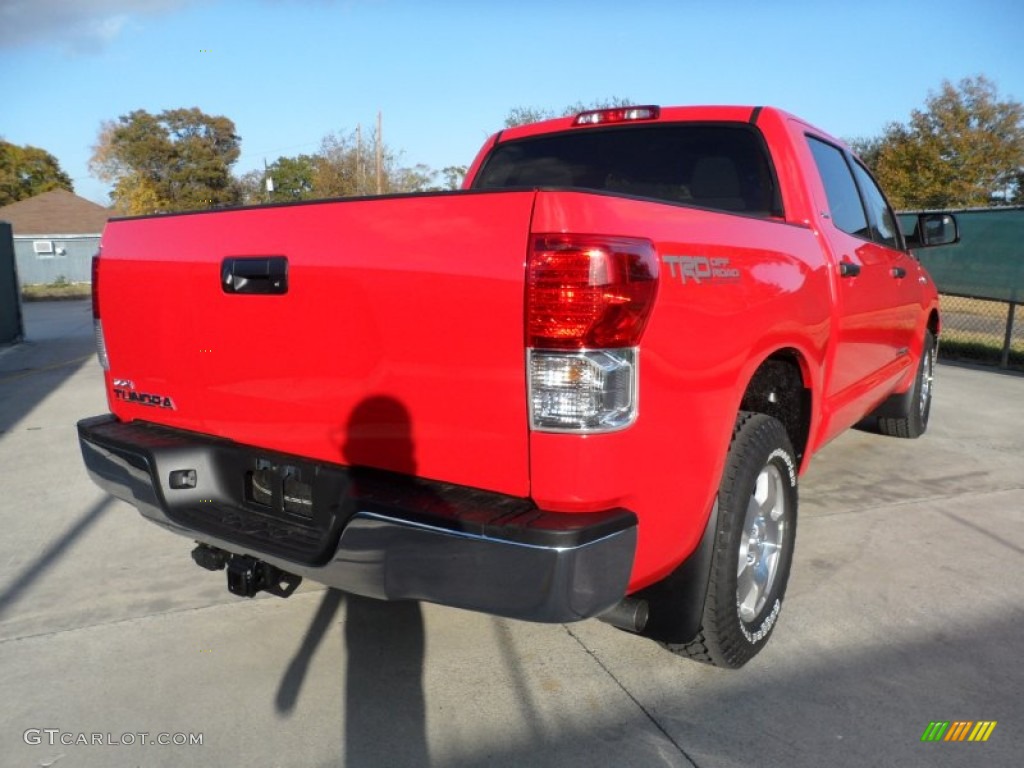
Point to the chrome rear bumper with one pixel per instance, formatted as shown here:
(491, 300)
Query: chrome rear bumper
(372, 533)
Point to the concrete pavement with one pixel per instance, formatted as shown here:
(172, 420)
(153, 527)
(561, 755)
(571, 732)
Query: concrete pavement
(904, 607)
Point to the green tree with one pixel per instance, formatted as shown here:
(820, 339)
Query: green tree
(965, 148)
(251, 187)
(867, 149)
(423, 178)
(178, 160)
(418, 178)
(346, 166)
(293, 178)
(1018, 189)
(28, 171)
(453, 176)
(523, 115)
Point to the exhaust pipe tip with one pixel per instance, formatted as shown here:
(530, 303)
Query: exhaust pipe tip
(629, 614)
(210, 558)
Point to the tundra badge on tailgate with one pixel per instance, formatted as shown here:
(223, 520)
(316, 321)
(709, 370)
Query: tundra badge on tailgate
(124, 389)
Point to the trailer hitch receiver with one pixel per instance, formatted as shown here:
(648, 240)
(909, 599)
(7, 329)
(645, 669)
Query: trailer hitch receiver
(246, 575)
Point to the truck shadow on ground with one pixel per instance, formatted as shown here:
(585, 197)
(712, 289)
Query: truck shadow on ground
(384, 706)
(384, 646)
(53, 553)
(58, 341)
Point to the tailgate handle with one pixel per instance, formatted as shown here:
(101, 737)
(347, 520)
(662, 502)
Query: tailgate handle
(259, 274)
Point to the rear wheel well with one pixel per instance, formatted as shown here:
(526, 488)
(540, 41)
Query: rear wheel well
(677, 601)
(777, 390)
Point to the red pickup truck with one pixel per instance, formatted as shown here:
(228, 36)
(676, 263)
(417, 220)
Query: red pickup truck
(584, 385)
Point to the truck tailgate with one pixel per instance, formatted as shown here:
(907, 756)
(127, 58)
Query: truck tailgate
(398, 344)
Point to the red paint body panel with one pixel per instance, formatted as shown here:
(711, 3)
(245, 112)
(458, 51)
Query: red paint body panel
(415, 299)
(879, 321)
(696, 360)
(420, 299)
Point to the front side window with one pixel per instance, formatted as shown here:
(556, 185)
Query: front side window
(844, 201)
(884, 229)
(724, 167)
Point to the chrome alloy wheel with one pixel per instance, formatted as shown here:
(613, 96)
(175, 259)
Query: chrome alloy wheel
(927, 377)
(761, 542)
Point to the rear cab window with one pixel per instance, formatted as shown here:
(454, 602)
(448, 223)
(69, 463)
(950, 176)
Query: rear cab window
(723, 167)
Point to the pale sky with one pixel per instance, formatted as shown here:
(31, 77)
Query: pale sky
(445, 73)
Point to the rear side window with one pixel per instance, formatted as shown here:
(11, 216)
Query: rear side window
(844, 203)
(721, 166)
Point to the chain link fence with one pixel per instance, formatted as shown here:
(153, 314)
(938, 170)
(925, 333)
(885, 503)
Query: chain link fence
(982, 331)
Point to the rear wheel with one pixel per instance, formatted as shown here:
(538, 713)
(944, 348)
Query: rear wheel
(753, 551)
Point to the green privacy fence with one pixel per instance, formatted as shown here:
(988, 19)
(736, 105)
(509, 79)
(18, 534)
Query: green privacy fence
(981, 279)
(988, 262)
(10, 302)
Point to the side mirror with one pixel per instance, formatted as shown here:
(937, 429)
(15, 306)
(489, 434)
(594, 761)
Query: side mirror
(932, 229)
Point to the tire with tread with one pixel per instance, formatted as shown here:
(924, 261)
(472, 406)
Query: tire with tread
(757, 506)
(913, 421)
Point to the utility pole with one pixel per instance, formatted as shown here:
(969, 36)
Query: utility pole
(268, 182)
(380, 155)
(359, 159)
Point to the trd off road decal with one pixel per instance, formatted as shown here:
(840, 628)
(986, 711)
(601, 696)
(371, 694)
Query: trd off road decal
(701, 269)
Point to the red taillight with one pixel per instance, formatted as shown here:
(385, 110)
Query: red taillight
(617, 115)
(589, 291)
(96, 287)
